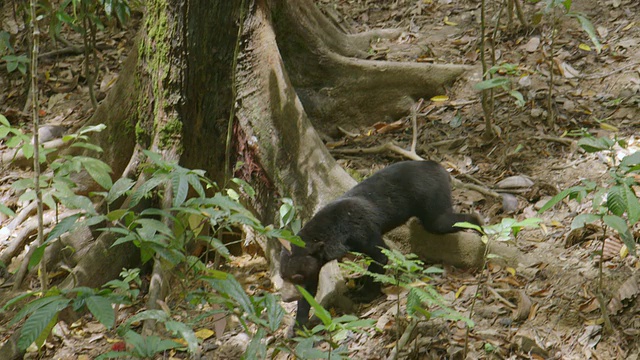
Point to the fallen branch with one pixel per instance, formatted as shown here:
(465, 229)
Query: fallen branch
(17, 158)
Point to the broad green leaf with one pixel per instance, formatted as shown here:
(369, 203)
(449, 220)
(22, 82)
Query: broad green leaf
(620, 226)
(591, 144)
(492, 83)
(180, 187)
(62, 227)
(99, 171)
(157, 315)
(39, 321)
(92, 128)
(101, 308)
(257, 349)
(36, 256)
(554, 200)
(631, 160)
(587, 26)
(518, 96)
(467, 225)
(320, 312)
(582, 219)
(87, 146)
(117, 214)
(275, 312)
(194, 181)
(616, 201)
(79, 202)
(6, 210)
(633, 205)
(248, 189)
(184, 331)
(144, 189)
(231, 288)
(152, 226)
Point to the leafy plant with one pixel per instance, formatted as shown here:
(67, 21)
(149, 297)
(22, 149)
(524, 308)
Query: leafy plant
(335, 330)
(503, 82)
(504, 231)
(553, 12)
(408, 272)
(615, 205)
(42, 314)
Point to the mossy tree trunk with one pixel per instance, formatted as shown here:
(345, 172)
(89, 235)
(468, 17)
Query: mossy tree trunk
(181, 85)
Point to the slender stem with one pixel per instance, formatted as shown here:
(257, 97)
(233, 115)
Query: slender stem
(550, 114)
(485, 95)
(36, 140)
(475, 296)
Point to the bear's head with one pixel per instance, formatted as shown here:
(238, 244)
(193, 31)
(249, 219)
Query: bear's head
(298, 269)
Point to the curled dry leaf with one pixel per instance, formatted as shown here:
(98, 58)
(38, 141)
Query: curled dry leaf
(626, 293)
(580, 235)
(525, 304)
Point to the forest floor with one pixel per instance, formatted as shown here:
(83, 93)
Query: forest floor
(546, 306)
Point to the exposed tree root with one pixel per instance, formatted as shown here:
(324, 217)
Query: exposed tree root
(17, 243)
(337, 86)
(18, 219)
(16, 158)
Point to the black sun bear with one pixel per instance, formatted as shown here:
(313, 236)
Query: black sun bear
(357, 220)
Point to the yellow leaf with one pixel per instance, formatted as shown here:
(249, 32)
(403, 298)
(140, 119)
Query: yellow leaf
(624, 251)
(544, 228)
(440, 98)
(450, 23)
(608, 127)
(584, 47)
(204, 334)
(556, 223)
(511, 271)
(632, 24)
(460, 290)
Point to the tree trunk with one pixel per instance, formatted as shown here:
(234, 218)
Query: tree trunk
(195, 67)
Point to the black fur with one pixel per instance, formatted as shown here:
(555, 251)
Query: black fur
(357, 220)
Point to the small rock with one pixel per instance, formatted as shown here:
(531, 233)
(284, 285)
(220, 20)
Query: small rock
(514, 182)
(536, 112)
(509, 203)
(50, 132)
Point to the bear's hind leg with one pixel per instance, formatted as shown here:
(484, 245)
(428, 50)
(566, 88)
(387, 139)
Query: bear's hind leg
(443, 224)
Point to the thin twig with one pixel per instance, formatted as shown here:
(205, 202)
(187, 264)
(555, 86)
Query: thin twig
(604, 75)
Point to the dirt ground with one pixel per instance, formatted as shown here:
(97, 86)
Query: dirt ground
(546, 307)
